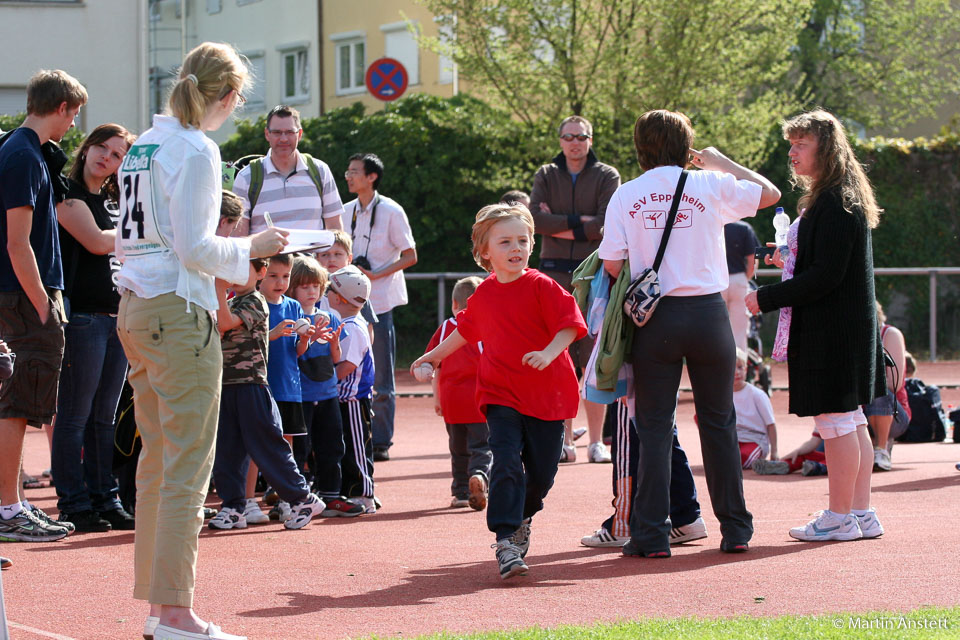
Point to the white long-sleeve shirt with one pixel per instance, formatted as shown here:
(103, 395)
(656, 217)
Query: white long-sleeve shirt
(170, 193)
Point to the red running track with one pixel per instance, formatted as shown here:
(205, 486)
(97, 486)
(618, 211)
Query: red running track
(418, 567)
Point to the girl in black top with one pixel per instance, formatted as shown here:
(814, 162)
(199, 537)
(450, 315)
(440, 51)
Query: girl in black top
(93, 362)
(834, 354)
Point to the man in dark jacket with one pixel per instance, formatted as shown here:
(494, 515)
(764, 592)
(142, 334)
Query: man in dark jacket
(568, 203)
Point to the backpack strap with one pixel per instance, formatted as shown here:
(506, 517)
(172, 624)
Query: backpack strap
(314, 174)
(256, 182)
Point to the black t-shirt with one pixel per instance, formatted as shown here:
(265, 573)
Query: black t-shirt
(88, 278)
(741, 242)
(25, 182)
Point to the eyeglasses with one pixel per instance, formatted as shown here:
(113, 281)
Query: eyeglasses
(241, 98)
(283, 132)
(570, 137)
(352, 172)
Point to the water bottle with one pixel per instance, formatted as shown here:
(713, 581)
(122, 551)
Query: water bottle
(781, 222)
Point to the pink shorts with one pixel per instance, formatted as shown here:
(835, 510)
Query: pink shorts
(834, 425)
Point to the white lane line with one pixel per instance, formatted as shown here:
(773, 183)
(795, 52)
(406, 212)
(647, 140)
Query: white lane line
(39, 632)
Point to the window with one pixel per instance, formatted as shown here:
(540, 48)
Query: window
(351, 61)
(402, 46)
(295, 72)
(13, 100)
(445, 74)
(214, 6)
(257, 95)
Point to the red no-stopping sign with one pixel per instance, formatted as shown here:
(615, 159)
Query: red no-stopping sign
(386, 79)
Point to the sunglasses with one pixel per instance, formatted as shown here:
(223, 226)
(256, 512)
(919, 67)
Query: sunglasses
(570, 137)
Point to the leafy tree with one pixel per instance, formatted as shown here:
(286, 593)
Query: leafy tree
(723, 63)
(879, 62)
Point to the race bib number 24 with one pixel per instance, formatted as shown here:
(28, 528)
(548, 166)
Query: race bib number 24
(139, 234)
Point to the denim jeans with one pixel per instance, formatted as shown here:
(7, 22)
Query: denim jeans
(90, 382)
(384, 362)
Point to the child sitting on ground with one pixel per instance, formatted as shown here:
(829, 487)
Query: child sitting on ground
(454, 398)
(756, 428)
(808, 458)
(526, 384)
(349, 290)
(318, 387)
(249, 424)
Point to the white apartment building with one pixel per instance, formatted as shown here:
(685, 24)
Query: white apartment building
(102, 43)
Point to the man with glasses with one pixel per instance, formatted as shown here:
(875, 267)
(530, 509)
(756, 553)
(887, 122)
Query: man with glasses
(383, 247)
(298, 191)
(568, 202)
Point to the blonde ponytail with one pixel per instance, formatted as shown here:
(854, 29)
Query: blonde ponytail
(209, 72)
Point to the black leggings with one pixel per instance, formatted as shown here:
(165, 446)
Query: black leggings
(695, 329)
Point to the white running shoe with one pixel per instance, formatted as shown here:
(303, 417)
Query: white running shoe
(150, 626)
(689, 532)
(870, 525)
(303, 512)
(228, 518)
(253, 513)
(601, 538)
(881, 460)
(213, 632)
(829, 526)
(280, 511)
(369, 504)
(458, 503)
(598, 452)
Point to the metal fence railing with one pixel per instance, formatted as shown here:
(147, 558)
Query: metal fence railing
(931, 272)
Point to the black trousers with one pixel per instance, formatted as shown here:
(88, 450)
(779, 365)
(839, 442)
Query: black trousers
(526, 453)
(326, 440)
(694, 329)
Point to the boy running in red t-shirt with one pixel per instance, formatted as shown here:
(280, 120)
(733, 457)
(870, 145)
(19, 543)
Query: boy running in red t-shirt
(526, 384)
(454, 398)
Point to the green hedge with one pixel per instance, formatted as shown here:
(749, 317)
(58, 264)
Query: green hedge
(446, 158)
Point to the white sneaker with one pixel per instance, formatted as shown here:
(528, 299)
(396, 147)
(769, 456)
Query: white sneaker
(601, 538)
(881, 460)
(280, 511)
(869, 524)
(303, 512)
(829, 526)
(253, 513)
(458, 503)
(213, 632)
(578, 433)
(369, 504)
(228, 518)
(598, 452)
(150, 626)
(688, 532)
(568, 453)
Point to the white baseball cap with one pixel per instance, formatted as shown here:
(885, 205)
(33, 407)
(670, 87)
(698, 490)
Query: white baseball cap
(350, 283)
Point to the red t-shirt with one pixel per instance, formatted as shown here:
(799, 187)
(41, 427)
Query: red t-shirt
(512, 320)
(458, 380)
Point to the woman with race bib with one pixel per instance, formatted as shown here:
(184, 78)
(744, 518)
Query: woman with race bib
(169, 208)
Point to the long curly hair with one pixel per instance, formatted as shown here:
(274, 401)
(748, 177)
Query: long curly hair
(838, 167)
(98, 136)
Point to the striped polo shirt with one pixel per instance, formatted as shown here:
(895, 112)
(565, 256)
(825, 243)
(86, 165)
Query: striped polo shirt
(292, 200)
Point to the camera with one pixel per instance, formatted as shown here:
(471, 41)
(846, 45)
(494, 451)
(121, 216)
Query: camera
(362, 262)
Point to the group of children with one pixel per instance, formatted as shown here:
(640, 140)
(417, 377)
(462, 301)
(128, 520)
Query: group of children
(297, 384)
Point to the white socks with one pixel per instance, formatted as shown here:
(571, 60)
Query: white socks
(9, 511)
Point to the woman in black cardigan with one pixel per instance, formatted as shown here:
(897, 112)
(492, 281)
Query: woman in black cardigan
(834, 356)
